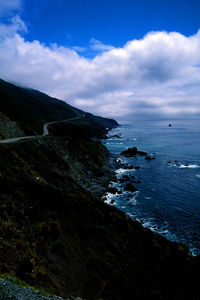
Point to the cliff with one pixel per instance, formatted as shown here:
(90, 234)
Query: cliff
(57, 234)
(28, 110)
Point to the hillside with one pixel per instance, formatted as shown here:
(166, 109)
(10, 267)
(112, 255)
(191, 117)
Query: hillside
(57, 234)
(27, 110)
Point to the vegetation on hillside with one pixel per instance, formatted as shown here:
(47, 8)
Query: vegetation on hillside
(31, 109)
(55, 231)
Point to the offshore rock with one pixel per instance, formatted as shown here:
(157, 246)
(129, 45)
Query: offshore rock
(132, 152)
(149, 157)
(130, 187)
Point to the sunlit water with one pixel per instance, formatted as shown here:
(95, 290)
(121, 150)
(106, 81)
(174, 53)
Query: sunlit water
(168, 197)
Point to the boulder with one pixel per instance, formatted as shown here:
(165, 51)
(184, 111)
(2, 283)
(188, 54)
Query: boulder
(126, 178)
(132, 152)
(130, 187)
(112, 190)
(122, 180)
(119, 192)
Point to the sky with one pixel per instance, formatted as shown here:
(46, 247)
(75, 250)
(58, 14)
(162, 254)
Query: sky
(125, 59)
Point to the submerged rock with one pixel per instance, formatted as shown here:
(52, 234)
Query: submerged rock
(137, 167)
(116, 136)
(126, 177)
(149, 157)
(128, 167)
(136, 181)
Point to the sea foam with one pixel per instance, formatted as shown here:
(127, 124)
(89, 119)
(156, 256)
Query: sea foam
(189, 166)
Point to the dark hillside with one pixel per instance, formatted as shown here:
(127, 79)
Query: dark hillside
(30, 109)
(56, 235)
(79, 128)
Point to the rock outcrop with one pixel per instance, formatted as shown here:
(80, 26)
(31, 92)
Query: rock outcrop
(8, 128)
(130, 187)
(57, 234)
(132, 152)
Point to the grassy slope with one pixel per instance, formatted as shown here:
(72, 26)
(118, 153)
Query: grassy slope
(56, 235)
(30, 109)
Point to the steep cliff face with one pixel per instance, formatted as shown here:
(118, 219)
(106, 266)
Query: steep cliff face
(42, 203)
(57, 235)
(56, 232)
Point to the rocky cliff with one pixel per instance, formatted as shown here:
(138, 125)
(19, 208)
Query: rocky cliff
(57, 234)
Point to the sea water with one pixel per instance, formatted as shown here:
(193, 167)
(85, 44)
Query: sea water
(168, 196)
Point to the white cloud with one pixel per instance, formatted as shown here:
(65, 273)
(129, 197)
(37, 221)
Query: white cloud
(16, 25)
(99, 46)
(7, 6)
(95, 47)
(156, 76)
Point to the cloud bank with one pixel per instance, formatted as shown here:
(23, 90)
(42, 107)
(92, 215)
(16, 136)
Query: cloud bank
(155, 77)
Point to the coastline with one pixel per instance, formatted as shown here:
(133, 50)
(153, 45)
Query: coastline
(151, 180)
(82, 247)
(56, 232)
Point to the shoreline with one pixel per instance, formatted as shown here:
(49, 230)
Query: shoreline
(112, 198)
(57, 234)
(82, 246)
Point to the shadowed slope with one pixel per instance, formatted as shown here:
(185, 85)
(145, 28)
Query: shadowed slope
(31, 109)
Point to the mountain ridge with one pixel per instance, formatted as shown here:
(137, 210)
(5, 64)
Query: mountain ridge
(29, 110)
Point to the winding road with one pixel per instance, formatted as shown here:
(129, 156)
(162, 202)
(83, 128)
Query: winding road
(45, 132)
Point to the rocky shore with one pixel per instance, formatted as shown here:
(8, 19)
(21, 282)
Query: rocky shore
(56, 233)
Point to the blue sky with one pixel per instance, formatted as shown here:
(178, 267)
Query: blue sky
(76, 22)
(119, 58)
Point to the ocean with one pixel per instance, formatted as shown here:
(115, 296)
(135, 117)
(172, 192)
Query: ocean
(167, 199)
